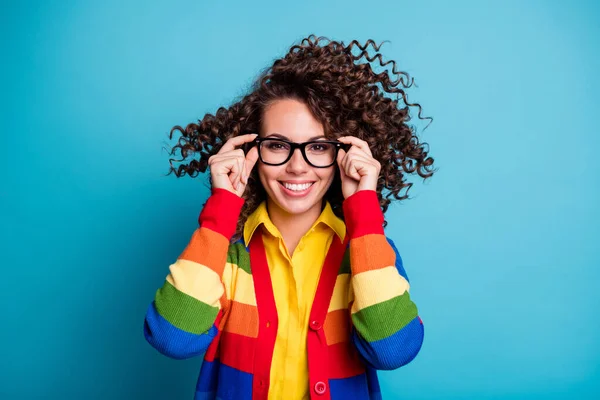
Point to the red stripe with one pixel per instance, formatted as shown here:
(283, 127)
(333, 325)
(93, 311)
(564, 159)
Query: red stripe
(267, 318)
(211, 352)
(362, 214)
(237, 351)
(221, 212)
(318, 369)
(347, 362)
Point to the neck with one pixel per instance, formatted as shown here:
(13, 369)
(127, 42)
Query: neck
(292, 226)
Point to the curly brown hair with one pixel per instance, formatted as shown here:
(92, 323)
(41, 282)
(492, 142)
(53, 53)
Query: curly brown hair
(347, 96)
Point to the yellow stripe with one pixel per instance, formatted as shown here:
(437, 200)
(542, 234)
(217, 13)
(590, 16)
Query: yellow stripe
(342, 293)
(228, 278)
(239, 283)
(196, 280)
(377, 286)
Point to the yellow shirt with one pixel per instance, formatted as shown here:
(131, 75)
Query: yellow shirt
(294, 282)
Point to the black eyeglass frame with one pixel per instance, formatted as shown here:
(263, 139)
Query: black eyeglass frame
(302, 146)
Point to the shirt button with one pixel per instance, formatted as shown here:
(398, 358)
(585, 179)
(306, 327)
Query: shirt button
(320, 388)
(315, 325)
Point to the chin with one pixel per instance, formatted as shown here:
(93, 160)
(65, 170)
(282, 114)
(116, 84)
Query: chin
(296, 209)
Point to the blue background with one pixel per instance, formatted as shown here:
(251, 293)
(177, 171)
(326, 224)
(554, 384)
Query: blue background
(501, 246)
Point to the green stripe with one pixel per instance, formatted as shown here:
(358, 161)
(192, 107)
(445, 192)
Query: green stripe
(184, 311)
(345, 267)
(238, 255)
(382, 320)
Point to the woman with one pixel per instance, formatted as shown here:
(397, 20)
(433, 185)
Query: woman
(289, 285)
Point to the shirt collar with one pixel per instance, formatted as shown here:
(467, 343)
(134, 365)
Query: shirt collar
(261, 216)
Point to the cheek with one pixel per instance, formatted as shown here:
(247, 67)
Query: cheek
(267, 174)
(262, 175)
(327, 175)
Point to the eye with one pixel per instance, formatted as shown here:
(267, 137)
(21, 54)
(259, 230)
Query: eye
(319, 147)
(276, 145)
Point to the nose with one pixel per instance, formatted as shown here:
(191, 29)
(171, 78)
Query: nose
(297, 163)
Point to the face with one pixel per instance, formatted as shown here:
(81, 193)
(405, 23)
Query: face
(294, 187)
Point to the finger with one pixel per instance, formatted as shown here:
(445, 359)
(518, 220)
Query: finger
(346, 166)
(244, 174)
(356, 166)
(222, 164)
(243, 178)
(239, 155)
(230, 154)
(224, 173)
(359, 156)
(238, 178)
(234, 169)
(250, 161)
(237, 141)
(220, 160)
(359, 143)
(352, 170)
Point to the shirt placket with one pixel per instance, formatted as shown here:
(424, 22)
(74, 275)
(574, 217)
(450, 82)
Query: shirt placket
(293, 328)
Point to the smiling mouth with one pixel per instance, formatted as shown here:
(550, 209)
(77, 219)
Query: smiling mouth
(296, 187)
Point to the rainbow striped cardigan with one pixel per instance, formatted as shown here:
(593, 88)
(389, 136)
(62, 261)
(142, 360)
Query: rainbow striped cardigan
(218, 300)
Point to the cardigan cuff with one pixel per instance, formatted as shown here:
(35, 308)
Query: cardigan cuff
(221, 212)
(362, 214)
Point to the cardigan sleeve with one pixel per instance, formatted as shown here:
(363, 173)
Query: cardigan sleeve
(387, 330)
(184, 317)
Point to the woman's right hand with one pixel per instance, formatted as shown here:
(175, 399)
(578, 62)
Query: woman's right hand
(230, 167)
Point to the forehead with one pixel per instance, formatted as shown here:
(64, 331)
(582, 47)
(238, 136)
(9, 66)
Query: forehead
(292, 119)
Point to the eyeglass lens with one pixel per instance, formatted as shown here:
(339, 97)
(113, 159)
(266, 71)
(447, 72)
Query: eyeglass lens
(276, 152)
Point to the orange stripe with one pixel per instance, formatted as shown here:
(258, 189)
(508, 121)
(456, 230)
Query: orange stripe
(370, 252)
(208, 248)
(237, 351)
(337, 326)
(242, 320)
(344, 361)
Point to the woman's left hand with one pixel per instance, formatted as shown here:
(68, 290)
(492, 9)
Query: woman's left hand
(358, 169)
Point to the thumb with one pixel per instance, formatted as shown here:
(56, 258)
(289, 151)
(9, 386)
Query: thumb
(251, 159)
(340, 158)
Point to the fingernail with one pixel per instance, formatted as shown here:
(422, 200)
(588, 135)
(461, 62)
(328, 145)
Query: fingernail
(237, 187)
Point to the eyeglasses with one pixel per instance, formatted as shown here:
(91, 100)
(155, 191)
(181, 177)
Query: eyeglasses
(317, 153)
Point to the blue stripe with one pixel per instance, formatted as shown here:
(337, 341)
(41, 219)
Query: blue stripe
(234, 384)
(172, 341)
(399, 264)
(209, 374)
(205, 396)
(355, 387)
(373, 380)
(393, 351)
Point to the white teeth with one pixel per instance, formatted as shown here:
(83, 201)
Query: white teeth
(297, 187)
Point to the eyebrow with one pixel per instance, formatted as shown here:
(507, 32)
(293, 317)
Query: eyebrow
(279, 135)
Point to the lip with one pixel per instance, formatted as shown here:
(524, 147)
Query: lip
(297, 182)
(291, 193)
